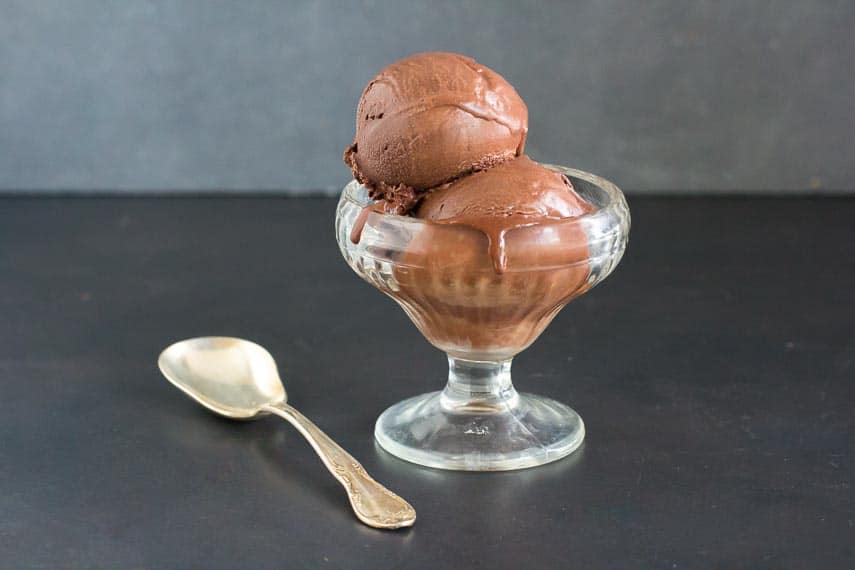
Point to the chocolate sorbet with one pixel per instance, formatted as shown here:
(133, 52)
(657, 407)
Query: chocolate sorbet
(440, 137)
(514, 194)
(500, 255)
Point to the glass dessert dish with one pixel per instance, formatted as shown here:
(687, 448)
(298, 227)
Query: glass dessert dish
(482, 315)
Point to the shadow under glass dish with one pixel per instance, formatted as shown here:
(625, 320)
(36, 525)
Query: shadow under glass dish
(442, 276)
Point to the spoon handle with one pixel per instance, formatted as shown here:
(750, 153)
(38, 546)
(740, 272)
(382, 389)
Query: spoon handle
(374, 504)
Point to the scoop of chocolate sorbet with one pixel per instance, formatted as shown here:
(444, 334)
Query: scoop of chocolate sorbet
(511, 195)
(500, 253)
(428, 119)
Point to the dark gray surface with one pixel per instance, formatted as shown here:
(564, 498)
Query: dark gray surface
(660, 95)
(714, 371)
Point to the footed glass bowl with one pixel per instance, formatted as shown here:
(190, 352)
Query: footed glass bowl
(444, 278)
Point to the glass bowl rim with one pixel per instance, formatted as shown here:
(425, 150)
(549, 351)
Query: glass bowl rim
(615, 205)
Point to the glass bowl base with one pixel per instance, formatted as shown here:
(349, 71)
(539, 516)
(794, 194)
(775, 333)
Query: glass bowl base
(513, 431)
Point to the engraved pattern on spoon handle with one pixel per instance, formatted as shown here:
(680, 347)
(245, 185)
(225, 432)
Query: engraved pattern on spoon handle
(374, 504)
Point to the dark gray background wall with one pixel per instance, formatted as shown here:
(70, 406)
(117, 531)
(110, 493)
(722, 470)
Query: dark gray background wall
(657, 95)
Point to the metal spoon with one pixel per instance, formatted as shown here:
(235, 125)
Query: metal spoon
(239, 379)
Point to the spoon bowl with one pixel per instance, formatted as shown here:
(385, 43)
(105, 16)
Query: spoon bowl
(229, 376)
